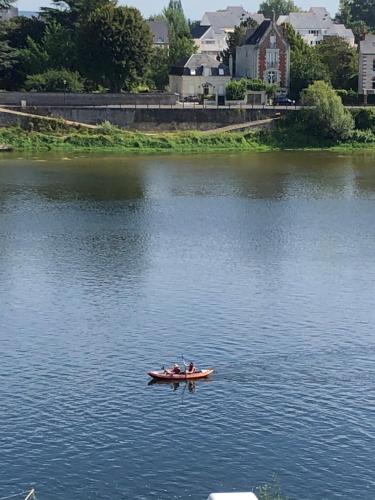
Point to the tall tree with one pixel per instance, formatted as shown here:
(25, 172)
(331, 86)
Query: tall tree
(269, 8)
(305, 65)
(341, 61)
(181, 43)
(116, 46)
(358, 15)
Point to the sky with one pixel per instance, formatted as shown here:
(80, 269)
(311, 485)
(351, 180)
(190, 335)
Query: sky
(193, 8)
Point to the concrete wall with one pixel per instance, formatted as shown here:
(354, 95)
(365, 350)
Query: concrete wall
(84, 99)
(152, 119)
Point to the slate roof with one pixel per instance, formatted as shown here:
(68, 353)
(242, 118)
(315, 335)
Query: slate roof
(367, 46)
(229, 18)
(198, 31)
(258, 34)
(159, 30)
(196, 63)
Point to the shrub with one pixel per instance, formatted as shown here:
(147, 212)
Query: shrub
(348, 97)
(326, 116)
(256, 85)
(236, 90)
(363, 136)
(365, 119)
(55, 80)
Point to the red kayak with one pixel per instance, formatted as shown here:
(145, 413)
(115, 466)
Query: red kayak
(169, 375)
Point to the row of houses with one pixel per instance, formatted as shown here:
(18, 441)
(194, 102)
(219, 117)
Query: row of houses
(265, 54)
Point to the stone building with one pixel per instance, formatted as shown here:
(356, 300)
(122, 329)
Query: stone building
(199, 75)
(265, 55)
(160, 33)
(366, 80)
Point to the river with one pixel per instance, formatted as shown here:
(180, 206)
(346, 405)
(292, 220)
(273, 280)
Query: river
(260, 265)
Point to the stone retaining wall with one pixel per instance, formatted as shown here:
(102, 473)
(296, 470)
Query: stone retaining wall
(150, 120)
(85, 99)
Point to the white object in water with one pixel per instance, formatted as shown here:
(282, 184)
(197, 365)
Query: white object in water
(233, 496)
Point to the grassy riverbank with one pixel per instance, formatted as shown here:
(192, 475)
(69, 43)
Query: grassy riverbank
(116, 140)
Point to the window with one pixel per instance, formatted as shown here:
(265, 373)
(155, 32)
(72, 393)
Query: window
(192, 72)
(272, 58)
(373, 65)
(206, 71)
(272, 77)
(373, 83)
(221, 71)
(273, 42)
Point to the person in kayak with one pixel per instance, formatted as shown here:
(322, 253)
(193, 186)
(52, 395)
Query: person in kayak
(191, 367)
(176, 369)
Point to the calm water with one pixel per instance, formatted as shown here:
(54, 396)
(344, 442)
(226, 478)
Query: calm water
(260, 265)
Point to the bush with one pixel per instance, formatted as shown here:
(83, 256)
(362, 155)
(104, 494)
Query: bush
(326, 116)
(365, 119)
(348, 97)
(363, 136)
(55, 81)
(236, 90)
(256, 85)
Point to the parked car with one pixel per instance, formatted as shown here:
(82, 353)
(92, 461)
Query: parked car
(283, 100)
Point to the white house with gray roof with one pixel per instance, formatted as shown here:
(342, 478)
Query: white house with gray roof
(212, 34)
(315, 25)
(199, 75)
(366, 83)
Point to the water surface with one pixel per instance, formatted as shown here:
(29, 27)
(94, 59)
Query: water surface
(261, 265)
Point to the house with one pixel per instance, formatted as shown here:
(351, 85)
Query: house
(315, 25)
(199, 75)
(265, 55)
(6, 14)
(160, 32)
(212, 34)
(366, 83)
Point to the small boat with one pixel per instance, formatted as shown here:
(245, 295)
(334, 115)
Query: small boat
(169, 375)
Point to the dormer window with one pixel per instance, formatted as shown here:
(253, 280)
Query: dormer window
(206, 71)
(221, 71)
(273, 42)
(192, 72)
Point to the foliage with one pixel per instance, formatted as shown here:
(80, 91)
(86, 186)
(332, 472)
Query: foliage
(181, 43)
(269, 8)
(341, 60)
(326, 115)
(159, 68)
(236, 39)
(236, 90)
(17, 30)
(8, 61)
(365, 119)
(116, 46)
(358, 15)
(348, 97)
(55, 81)
(305, 65)
(5, 4)
(256, 85)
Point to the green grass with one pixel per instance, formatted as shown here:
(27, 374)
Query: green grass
(110, 138)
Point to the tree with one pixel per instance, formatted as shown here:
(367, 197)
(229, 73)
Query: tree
(326, 115)
(269, 8)
(359, 15)
(341, 61)
(116, 46)
(305, 65)
(71, 13)
(8, 62)
(159, 68)
(181, 44)
(5, 4)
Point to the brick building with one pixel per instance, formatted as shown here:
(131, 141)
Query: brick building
(265, 55)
